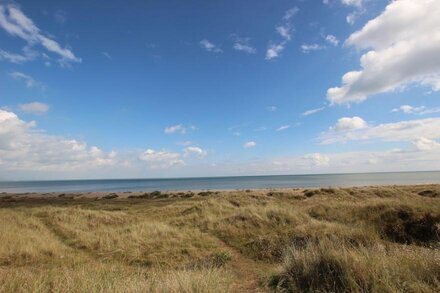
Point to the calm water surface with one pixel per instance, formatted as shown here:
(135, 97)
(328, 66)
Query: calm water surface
(241, 182)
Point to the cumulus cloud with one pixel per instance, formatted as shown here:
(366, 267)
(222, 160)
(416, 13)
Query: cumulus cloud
(349, 123)
(194, 151)
(249, 144)
(161, 159)
(312, 111)
(23, 147)
(404, 41)
(34, 108)
(422, 110)
(27, 79)
(17, 24)
(210, 47)
(351, 129)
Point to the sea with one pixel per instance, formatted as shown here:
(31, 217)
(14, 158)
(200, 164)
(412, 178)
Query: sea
(222, 183)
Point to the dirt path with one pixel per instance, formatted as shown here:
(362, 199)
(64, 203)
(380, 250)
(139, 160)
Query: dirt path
(247, 272)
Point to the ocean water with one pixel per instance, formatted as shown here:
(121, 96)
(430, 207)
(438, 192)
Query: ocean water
(213, 183)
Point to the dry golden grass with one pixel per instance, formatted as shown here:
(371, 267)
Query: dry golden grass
(372, 239)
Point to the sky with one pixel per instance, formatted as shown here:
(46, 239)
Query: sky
(154, 89)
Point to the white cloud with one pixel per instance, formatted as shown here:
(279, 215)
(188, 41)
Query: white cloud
(332, 40)
(17, 24)
(422, 110)
(210, 47)
(242, 44)
(312, 111)
(350, 130)
(161, 159)
(307, 48)
(107, 55)
(179, 128)
(317, 159)
(357, 3)
(349, 123)
(404, 42)
(290, 13)
(425, 144)
(25, 148)
(14, 58)
(249, 144)
(285, 30)
(34, 108)
(184, 143)
(274, 50)
(196, 151)
(271, 108)
(283, 127)
(29, 80)
(27, 152)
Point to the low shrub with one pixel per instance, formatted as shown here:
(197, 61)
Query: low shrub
(110, 196)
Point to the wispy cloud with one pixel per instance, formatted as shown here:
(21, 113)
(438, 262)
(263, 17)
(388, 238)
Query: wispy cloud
(312, 111)
(179, 128)
(283, 127)
(194, 151)
(27, 79)
(36, 108)
(17, 24)
(358, 5)
(271, 108)
(243, 44)
(161, 159)
(60, 16)
(331, 39)
(15, 58)
(107, 55)
(274, 50)
(356, 129)
(422, 110)
(210, 47)
(285, 30)
(307, 48)
(249, 144)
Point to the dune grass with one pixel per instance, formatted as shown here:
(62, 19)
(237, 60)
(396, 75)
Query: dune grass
(371, 239)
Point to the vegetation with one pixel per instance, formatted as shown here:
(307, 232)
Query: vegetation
(372, 239)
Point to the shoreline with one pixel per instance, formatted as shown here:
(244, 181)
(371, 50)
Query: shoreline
(163, 194)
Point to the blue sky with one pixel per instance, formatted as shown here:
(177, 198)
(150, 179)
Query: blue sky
(210, 88)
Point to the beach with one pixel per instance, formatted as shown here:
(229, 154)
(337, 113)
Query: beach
(260, 240)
